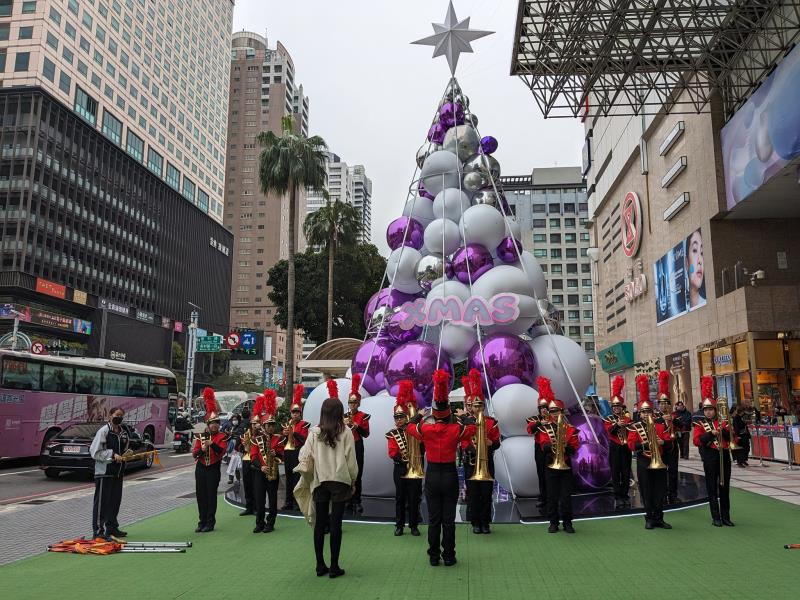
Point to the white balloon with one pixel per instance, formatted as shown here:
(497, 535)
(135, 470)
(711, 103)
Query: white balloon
(420, 209)
(450, 204)
(319, 394)
(440, 171)
(449, 288)
(349, 373)
(528, 313)
(514, 228)
(515, 458)
(377, 477)
(512, 405)
(502, 279)
(401, 269)
(483, 224)
(442, 237)
(457, 340)
(575, 361)
(534, 272)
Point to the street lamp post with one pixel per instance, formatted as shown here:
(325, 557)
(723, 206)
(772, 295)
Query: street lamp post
(191, 347)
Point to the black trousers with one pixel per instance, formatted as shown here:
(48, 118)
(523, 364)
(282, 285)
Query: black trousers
(652, 486)
(619, 458)
(206, 482)
(407, 496)
(479, 502)
(441, 493)
(541, 466)
(559, 494)
(356, 499)
(742, 454)
(671, 458)
(719, 499)
(263, 490)
(683, 443)
(289, 463)
(247, 486)
(105, 507)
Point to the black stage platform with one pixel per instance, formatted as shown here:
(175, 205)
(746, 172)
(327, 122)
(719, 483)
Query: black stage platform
(691, 492)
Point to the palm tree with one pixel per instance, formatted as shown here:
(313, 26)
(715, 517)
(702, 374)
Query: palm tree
(289, 163)
(335, 224)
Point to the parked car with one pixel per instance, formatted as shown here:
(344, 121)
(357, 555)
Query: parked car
(69, 450)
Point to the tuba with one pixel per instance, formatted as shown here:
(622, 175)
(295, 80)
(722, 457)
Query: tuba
(289, 438)
(414, 453)
(652, 441)
(559, 450)
(481, 460)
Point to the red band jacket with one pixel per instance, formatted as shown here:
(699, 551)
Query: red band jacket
(215, 452)
(360, 426)
(441, 438)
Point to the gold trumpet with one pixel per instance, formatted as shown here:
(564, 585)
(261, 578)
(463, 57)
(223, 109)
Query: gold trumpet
(481, 460)
(560, 461)
(652, 441)
(289, 438)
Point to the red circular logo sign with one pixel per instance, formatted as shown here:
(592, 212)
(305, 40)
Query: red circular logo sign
(232, 341)
(631, 223)
(37, 348)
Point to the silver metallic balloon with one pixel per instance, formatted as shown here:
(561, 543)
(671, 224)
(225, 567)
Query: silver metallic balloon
(430, 270)
(476, 180)
(379, 317)
(423, 153)
(476, 163)
(462, 140)
(485, 197)
(472, 120)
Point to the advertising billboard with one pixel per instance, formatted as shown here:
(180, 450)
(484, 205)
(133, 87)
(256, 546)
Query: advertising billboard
(680, 382)
(679, 277)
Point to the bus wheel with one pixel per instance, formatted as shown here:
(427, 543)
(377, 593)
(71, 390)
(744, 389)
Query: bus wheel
(51, 473)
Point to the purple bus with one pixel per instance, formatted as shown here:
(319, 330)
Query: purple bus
(41, 395)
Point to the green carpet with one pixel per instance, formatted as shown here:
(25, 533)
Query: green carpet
(613, 558)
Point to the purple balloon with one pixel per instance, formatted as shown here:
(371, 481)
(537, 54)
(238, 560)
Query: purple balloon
(423, 192)
(376, 354)
(451, 114)
(507, 360)
(488, 145)
(436, 133)
(385, 297)
(509, 250)
(416, 361)
(396, 235)
(590, 464)
(471, 261)
(396, 334)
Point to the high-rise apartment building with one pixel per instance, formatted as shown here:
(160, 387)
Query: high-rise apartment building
(362, 200)
(262, 92)
(552, 211)
(112, 168)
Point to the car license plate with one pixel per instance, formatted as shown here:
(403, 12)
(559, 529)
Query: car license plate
(71, 449)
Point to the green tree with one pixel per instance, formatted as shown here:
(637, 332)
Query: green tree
(358, 271)
(237, 380)
(334, 225)
(288, 163)
(178, 356)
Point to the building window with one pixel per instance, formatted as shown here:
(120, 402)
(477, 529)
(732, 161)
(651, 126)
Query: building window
(539, 238)
(573, 315)
(589, 346)
(572, 284)
(587, 298)
(569, 207)
(589, 330)
(155, 162)
(52, 41)
(555, 223)
(575, 330)
(188, 189)
(586, 268)
(583, 206)
(586, 283)
(539, 223)
(21, 61)
(557, 284)
(587, 314)
(555, 238)
(555, 253)
(569, 223)
(173, 176)
(135, 146)
(556, 269)
(569, 238)
(85, 105)
(6, 6)
(72, 5)
(29, 7)
(202, 200)
(572, 268)
(540, 253)
(572, 299)
(572, 253)
(25, 33)
(558, 299)
(539, 208)
(65, 83)
(5, 30)
(555, 208)
(584, 252)
(49, 69)
(112, 127)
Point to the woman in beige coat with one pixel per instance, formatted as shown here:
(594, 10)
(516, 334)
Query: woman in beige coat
(327, 462)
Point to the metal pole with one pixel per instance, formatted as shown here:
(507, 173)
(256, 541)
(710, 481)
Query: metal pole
(103, 325)
(15, 332)
(191, 344)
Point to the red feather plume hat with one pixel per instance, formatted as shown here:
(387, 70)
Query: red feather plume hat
(441, 389)
(546, 393)
(617, 385)
(270, 406)
(297, 398)
(707, 391)
(212, 408)
(643, 387)
(405, 396)
(355, 393)
(663, 386)
(476, 386)
(467, 392)
(258, 408)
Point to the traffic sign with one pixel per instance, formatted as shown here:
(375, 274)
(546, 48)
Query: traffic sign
(37, 348)
(232, 340)
(209, 343)
(249, 340)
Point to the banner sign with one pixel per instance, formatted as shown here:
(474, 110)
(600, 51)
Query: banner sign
(680, 279)
(502, 308)
(50, 288)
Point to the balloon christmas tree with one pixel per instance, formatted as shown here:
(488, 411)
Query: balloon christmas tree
(460, 287)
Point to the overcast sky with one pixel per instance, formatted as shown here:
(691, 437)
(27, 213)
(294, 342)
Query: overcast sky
(373, 94)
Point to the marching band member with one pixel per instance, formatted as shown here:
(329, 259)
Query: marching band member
(479, 493)
(538, 454)
(652, 478)
(407, 492)
(712, 437)
(266, 452)
(441, 439)
(208, 450)
(358, 422)
(295, 432)
(560, 481)
(619, 454)
(666, 417)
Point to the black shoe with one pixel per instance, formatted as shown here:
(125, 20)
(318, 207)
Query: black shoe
(450, 562)
(476, 529)
(335, 572)
(415, 532)
(649, 525)
(568, 527)
(553, 528)
(716, 523)
(200, 529)
(359, 508)
(486, 529)
(118, 533)
(246, 513)
(258, 528)
(434, 561)
(398, 531)
(727, 522)
(663, 525)
(208, 528)
(269, 528)
(322, 571)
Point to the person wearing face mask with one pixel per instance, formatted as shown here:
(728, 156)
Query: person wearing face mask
(109, 444)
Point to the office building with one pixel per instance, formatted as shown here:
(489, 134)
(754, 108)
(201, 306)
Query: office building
(362, 200)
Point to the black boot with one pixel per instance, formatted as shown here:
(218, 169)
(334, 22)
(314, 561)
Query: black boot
(398, 531)
(568, 527)
(553, 527)
(258, 528)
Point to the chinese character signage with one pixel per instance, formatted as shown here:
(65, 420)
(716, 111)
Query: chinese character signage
(120, 309)
(145, 315)
(51, 289)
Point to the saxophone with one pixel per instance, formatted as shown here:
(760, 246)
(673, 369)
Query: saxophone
(268, 456)
(559, 450)
(414, 453)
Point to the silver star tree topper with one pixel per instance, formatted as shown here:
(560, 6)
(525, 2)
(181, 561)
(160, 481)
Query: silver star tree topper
(452, 38)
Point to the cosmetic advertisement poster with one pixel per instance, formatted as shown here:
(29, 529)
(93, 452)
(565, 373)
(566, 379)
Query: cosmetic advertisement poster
(680, 279)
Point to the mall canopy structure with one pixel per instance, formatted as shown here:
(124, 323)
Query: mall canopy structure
(581, 58)
(333, 358)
